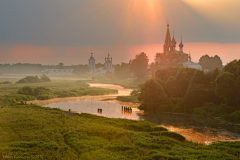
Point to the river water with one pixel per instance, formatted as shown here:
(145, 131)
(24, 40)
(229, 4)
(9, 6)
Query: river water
(201, 130)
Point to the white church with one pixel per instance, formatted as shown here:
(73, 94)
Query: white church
(102, 70)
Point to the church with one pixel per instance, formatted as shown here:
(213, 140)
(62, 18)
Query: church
(102, 70)
(170, 47)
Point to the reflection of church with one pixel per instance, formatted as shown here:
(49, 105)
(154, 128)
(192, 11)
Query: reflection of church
(170, 48)
(102, 70)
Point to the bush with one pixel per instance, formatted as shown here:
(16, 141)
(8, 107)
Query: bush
(26, 90)
(41, 90)
(44, 96)
(45, 78)
(32, 79)
(234, 117)
(6, 82)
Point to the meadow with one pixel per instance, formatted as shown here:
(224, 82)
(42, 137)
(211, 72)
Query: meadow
(33, 132)
(38, 132)
(58, 88)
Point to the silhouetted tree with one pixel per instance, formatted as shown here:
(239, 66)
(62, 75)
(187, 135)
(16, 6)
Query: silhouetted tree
(60, 66)
(139, 65)
(122, 71)
(210, 63)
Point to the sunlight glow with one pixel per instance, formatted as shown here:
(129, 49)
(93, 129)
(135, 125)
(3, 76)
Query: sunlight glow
(216, 10)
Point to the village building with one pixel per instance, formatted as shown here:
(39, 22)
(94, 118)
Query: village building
(58, 71)
(170, 47)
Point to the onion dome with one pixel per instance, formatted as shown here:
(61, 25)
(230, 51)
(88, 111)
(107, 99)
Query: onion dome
(181, 44)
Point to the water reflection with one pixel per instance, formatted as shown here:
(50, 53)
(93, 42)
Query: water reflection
(195, 129)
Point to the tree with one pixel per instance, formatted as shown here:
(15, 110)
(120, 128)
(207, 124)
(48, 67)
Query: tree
(210, 63)
(167, 72)
(171, 87)
(139, 65)
(122, 71)
(226, 88)
(153, 67)
(109, 74)
(150, 93)
(233, 67)
(81, 69)
(170, 59)
(99, 65)
(60, 66)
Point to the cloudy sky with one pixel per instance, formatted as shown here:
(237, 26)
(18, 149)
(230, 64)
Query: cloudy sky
(53, 31)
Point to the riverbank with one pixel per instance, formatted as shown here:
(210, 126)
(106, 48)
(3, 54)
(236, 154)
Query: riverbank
(132, 99)
(33, 131)
(58, 89)
(132, 83)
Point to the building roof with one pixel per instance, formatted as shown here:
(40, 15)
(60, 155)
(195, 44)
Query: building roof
(191, 64)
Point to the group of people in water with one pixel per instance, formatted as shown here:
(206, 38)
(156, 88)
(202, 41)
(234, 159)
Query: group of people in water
(126, 110)
(99, 111)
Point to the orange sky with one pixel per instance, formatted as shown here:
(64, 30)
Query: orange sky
(29, 53)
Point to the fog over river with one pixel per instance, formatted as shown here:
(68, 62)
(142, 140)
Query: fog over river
(201, 130)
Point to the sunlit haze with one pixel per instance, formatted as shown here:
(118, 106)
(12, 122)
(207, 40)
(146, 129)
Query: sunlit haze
(49, 32)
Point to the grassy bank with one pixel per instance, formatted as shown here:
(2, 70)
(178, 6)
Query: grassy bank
(55, 89)
(133, 99)
(127, 83)
(30, 131)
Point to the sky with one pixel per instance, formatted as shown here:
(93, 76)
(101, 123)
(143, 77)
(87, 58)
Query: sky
(50, 32)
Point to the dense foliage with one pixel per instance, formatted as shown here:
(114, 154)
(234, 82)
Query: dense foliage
(43, 93)
(210, 63)
(176, 89)
(139, 65)
(5, 82)
(169, 59)
(34, 79)
(122, 71)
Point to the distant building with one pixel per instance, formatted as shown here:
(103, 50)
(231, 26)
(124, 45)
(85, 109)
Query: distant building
(170, 47)
(102, 70)
(58, 71)
(91, 62)
(190, 64)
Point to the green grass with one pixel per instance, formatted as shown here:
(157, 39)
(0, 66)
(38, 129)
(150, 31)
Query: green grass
(133, 99)
(57, 89)
(34, 132)
(29, 130)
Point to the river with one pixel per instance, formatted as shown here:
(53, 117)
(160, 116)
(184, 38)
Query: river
(201, 130)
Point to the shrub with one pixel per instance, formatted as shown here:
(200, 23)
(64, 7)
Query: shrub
(32, 79)
(41, 90)
(26, 90)
(6, 82)
(45, 78)
(44, 96)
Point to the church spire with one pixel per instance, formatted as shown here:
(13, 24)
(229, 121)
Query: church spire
(168, 42)
(181, 45)
(173, 42)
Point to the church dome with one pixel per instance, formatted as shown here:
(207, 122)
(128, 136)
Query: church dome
(181, 45)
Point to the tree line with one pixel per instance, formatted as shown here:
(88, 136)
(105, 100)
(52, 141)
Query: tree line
(186, 90)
